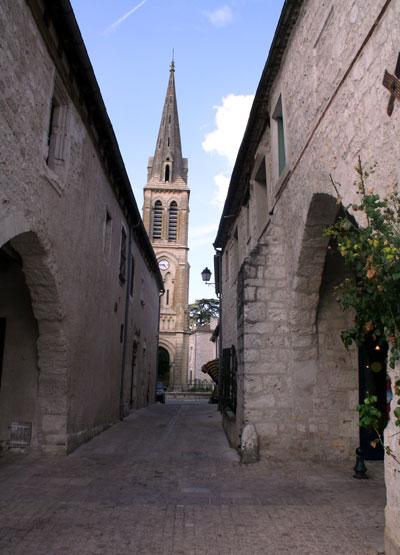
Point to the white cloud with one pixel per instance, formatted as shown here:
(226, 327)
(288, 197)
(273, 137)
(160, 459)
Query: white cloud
(222, 183)
(199, 231)
(220, 17)
(202, 234)
(231, 119)
(114, 25)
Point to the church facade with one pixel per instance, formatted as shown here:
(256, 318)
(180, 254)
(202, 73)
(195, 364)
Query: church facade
(289, 386)
(166, 218)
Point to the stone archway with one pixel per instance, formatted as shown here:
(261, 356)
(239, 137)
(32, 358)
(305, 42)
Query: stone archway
(48, 391)
(325, 375)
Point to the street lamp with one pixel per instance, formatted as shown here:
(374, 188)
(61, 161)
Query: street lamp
(206, 276)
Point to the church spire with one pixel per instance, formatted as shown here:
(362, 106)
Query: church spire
(167, 165)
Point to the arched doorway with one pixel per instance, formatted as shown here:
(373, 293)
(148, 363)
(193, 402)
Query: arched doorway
(337, 386)
(35, 355)
(325, 374)
(19, 371)
(163, 366)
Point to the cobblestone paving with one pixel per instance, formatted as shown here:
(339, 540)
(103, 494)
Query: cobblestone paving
(164, 481)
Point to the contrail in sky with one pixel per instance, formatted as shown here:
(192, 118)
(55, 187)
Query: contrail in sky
(112, 27)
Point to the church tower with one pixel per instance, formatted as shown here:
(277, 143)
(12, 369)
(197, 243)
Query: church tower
(166, 218)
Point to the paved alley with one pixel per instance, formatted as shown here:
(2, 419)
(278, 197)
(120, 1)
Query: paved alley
(164, 481)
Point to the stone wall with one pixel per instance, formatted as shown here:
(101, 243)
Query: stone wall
(201, 350)
(60, 213)
(392, 478)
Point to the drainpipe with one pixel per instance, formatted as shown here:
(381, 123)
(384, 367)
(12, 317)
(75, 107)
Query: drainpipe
(125, 333)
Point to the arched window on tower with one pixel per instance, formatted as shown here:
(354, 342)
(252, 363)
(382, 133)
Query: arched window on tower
(172, 221)
(167, 172)
(157, 220)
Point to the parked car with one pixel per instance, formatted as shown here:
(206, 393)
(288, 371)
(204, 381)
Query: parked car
(160, 392)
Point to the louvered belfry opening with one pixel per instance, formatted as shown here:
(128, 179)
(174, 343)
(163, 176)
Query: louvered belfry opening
(157, 219)
(172, 221)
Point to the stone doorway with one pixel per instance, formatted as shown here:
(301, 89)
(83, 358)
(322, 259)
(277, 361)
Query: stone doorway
(164, 365)
(35, 361)
(327, 385)
(19, 363)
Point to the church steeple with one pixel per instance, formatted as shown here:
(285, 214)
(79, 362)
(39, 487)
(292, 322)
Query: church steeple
(166, 218)
(167, 165)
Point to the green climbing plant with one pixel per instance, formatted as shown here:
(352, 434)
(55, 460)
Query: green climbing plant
(371, 251)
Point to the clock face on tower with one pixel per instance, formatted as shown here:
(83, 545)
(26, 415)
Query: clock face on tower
(163, 264)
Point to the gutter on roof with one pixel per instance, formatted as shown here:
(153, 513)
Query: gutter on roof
(70, 43)
(257, 122)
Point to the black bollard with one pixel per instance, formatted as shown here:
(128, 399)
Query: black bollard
(360, 470)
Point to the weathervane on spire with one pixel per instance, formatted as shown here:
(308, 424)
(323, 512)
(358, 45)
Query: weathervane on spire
(172, 67)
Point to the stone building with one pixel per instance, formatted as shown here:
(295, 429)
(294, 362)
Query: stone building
(319, 105)
(202, 349)
(79, 281)
(166, 218)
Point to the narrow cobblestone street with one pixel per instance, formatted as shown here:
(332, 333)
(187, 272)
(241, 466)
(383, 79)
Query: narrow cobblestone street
(165, 481)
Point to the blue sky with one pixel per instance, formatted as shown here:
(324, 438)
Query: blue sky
(220, 50)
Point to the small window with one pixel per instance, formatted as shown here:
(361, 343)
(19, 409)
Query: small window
(107, 233)
(167, 298)
(172, 221)
(132, 280)
(167, 172)
(52, 131)
(260, 197)
(278, 117)
(157, 220)
(168, 141)
(122, 258)
(169, 118)
(57, 128)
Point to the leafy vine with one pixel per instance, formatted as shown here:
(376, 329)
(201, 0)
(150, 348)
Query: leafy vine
(371, 252)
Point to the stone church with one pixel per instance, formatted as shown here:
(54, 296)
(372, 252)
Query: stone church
(166, 218)
(79, 280)
(289, 386)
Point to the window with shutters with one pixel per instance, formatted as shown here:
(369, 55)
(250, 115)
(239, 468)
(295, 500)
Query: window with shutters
(172, 221)
(157, 220)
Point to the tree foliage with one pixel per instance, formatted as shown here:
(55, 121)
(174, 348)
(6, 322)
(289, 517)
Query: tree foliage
(201, 312)
(371, 252)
